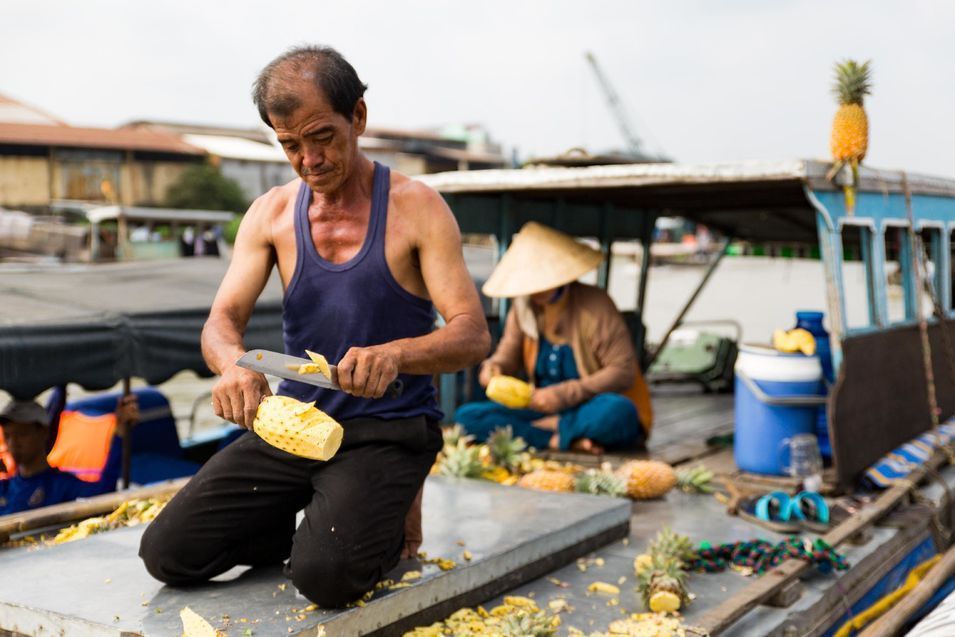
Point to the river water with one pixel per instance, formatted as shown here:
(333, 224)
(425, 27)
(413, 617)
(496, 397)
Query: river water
(760, 293)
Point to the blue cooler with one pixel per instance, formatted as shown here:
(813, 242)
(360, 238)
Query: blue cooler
(777, 396)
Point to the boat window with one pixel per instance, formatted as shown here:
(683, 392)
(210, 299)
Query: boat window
(929, 255)
(897, 269)
(858, 280)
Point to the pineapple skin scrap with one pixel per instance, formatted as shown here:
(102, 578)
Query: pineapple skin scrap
(321, 363)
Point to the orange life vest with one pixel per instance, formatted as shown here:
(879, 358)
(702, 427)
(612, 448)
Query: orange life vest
(82, 444)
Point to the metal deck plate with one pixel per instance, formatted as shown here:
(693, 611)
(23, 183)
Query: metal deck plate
(99, 587)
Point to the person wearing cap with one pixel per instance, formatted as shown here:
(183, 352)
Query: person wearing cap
(26, 429)
(570, 341)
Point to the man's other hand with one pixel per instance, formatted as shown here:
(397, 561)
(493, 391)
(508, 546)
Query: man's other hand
(368, 371)
(237, 394)
(413, 533)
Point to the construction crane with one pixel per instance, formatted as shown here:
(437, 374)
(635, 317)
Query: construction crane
(616, 107)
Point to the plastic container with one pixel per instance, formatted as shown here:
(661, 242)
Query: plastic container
(777, 397)
(812, 323)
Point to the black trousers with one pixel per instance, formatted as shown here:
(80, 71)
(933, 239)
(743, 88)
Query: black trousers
(240, 509)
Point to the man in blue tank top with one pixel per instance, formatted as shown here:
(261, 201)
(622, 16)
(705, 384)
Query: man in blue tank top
(366, 255)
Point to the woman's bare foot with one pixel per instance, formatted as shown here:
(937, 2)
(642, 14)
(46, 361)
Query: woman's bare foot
(587, 445)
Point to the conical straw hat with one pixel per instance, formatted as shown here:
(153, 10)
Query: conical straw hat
(538, 259)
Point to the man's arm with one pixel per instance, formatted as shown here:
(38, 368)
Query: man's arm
(462, 341)
(237, 395)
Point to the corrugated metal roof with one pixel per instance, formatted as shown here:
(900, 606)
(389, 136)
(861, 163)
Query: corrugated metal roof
(236, 148)
(647, 175)
(99, 138)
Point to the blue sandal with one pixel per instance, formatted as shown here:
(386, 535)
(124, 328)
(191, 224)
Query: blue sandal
(811, 511)
(773, 511)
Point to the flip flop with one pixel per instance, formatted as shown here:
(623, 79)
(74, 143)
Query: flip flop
(811, 511)
(772, 511)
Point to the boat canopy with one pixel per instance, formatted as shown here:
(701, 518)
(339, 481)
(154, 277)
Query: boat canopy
(755, 201)
(97, 324)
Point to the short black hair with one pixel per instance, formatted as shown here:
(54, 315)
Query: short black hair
(333, 75)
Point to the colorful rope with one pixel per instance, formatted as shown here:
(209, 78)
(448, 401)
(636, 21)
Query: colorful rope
(761, 556)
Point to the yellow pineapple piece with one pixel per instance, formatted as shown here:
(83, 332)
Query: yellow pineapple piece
(322, 364)
(510, 392)
(795, 340)
(193, 625)
(603, 587)
(647, 479)
(298, 428)
(308, 368)
(547, 480)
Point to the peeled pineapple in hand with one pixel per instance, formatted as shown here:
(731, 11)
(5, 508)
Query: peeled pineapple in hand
(509, 391)
(298, 428)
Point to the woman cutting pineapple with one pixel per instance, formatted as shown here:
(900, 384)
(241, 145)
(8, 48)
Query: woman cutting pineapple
(572, 344)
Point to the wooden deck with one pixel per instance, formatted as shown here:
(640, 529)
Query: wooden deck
(685, 418)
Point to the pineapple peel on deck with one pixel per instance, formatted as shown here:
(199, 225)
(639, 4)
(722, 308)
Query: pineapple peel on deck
(298, 428)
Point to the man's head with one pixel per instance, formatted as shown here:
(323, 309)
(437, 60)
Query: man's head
(312, 98)
(25, 429)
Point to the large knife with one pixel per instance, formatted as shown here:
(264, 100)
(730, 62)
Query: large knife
(285, 366)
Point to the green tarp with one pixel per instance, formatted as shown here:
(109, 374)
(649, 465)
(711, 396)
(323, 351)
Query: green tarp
(96, 324)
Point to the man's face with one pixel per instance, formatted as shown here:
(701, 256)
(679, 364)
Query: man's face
(25, 441)
(320, 143)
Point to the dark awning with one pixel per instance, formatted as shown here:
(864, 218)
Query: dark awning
(94, 325)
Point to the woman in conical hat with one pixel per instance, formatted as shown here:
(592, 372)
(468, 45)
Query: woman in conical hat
(570, 341)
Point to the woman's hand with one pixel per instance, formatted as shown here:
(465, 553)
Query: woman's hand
(545, 400)
(488, 371)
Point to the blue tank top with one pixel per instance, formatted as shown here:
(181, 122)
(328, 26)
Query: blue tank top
(329, 308)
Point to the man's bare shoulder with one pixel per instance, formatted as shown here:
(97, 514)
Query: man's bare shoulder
(276, 199)
(416, 198)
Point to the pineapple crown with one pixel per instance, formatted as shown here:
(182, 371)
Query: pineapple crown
(852, 81)
(462, 460)
(600, 483)
(505, 449)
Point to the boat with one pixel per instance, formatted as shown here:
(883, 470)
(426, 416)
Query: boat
(880, 399)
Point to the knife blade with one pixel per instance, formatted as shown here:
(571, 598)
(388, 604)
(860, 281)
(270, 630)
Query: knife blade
(285, 366)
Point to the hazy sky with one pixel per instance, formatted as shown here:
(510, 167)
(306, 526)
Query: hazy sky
(702, 80)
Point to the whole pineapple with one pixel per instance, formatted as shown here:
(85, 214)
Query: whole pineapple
(462, 460)
(505, 449)
(661, 572)
(849, 140)
(547, 480)
(647, 479)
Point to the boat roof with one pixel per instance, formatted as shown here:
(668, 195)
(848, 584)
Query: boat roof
(645, 176)
(749, 200)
